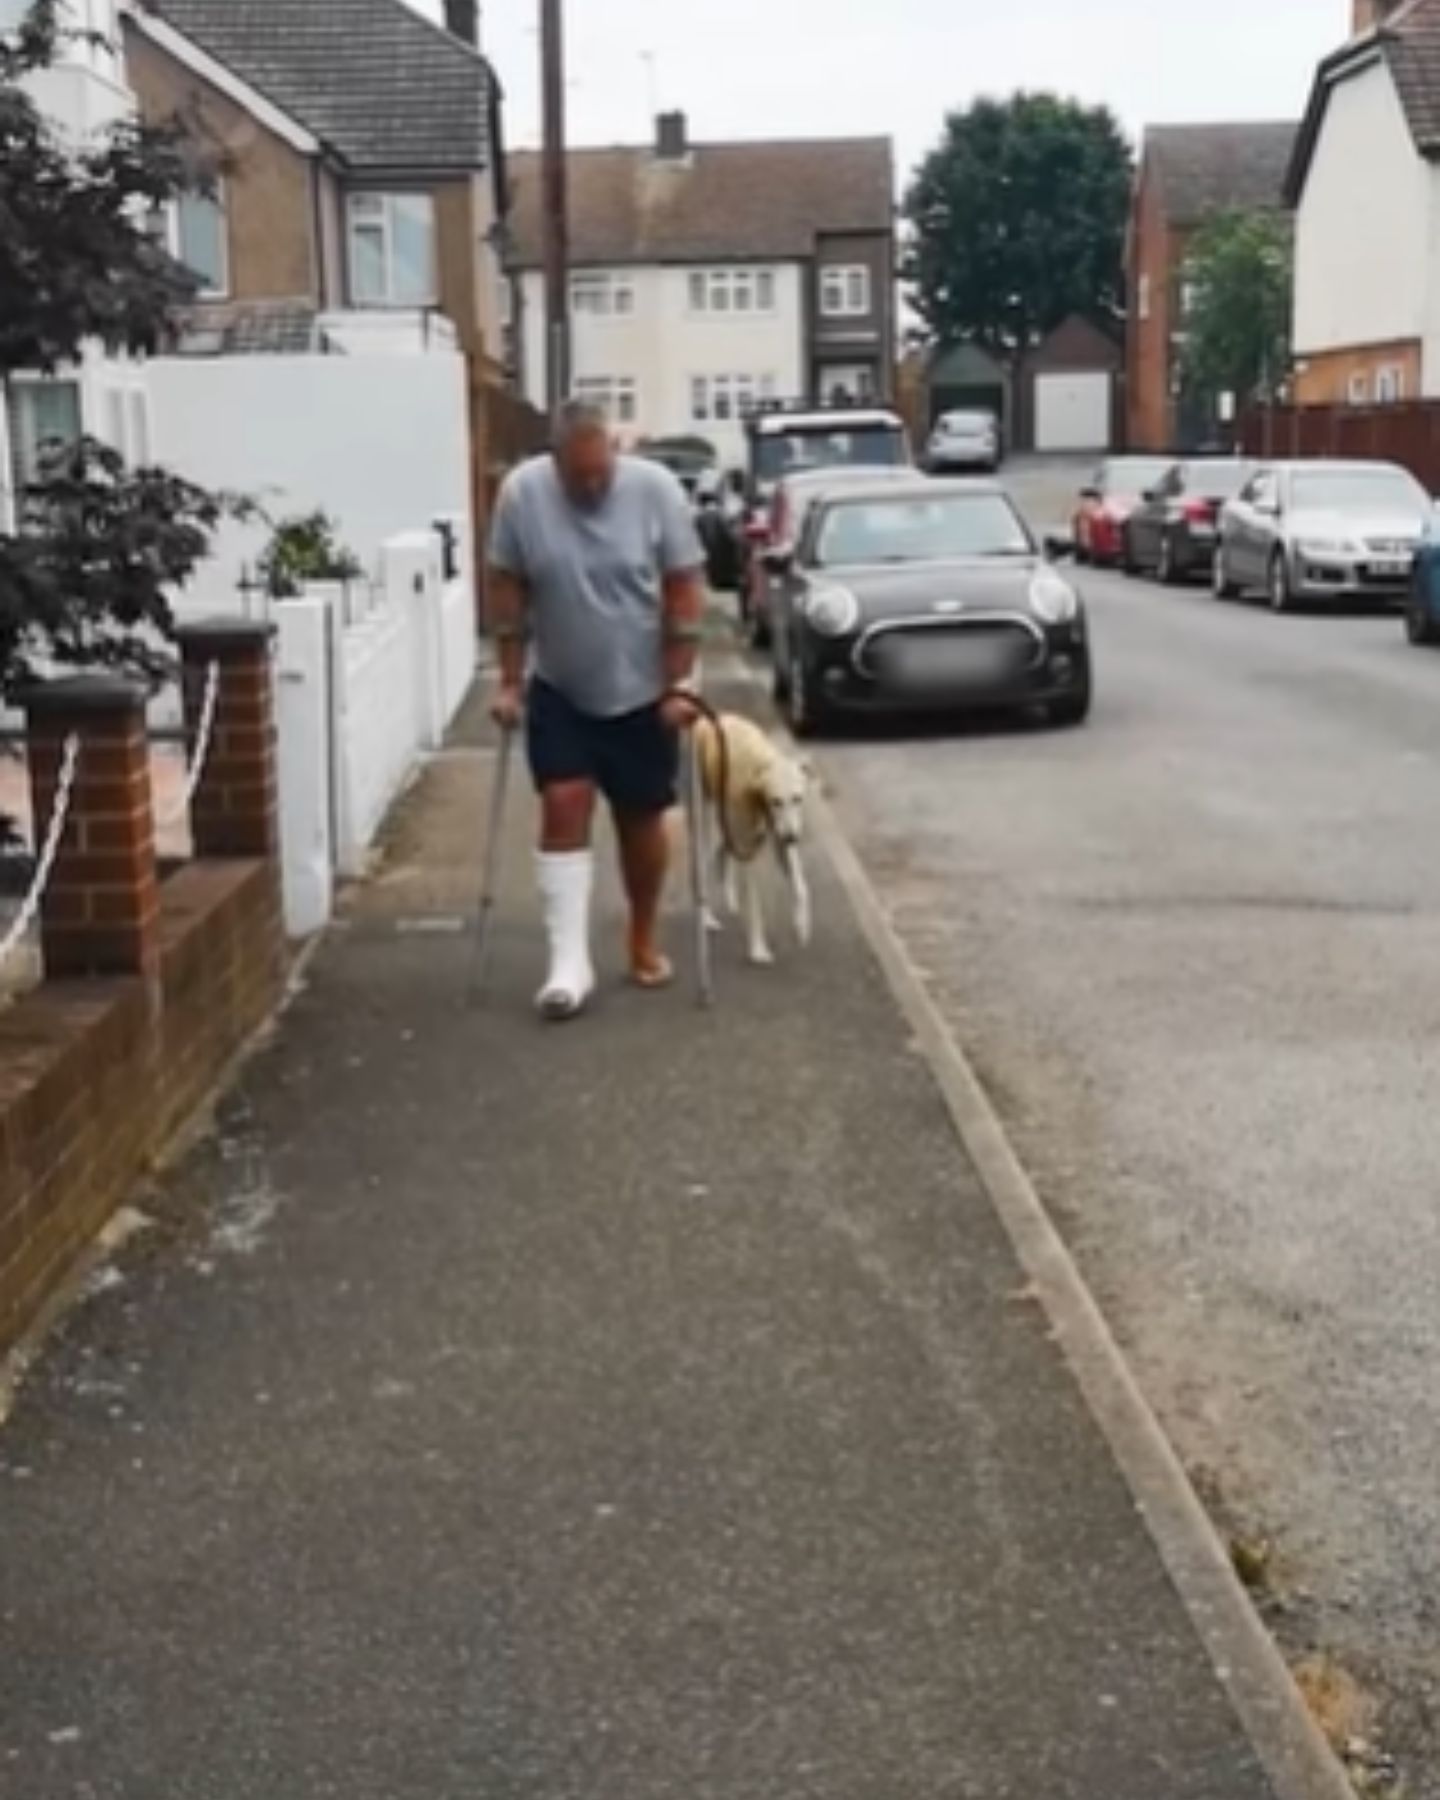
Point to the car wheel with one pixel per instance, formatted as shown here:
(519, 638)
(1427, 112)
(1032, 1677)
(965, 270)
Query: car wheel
(1419, 626)
(1282, 593)
(1221, 585)
(1128, 560)
(1167, 570)
(805, 708)
(1074, 709)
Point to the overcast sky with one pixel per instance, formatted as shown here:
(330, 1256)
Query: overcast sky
(751, 68)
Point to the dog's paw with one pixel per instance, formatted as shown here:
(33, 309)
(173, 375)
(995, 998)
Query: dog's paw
(761, 956)
(713, 921)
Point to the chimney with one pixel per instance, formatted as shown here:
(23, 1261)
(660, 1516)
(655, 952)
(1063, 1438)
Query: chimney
(672, 143)
(1370, 15)
(462, 20)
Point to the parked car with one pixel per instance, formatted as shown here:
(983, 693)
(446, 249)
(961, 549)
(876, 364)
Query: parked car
(1173, 529)
(1422, 601)
(1107, 501)
(1309, 531)
(789, 508)
(964, 440)
(689, 459)
(719, 507)
(923, 597)
(783, 439)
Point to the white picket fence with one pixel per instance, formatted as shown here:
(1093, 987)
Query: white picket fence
(367, 683)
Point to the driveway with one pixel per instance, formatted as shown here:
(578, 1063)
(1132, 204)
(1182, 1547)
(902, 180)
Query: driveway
(1195, 952)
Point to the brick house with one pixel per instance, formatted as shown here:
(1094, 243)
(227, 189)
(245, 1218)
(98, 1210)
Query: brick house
(363, 187)
(705, 276)
(1186, 174)
(1365, 185)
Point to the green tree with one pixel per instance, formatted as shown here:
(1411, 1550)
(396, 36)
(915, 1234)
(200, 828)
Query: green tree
(1017, 219)
(85, 578)
(1239, 277)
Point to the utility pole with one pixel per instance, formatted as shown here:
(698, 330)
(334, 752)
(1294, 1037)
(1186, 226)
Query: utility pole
(556, 206)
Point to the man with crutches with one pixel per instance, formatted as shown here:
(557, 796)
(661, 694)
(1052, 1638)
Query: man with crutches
(595, 580)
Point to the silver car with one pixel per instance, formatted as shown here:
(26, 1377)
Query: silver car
(964, 440)
(1309, 531)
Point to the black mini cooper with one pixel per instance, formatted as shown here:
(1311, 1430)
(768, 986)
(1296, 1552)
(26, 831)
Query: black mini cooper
(924, 598)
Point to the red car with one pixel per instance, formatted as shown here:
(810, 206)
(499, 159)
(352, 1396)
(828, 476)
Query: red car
(1118, 487)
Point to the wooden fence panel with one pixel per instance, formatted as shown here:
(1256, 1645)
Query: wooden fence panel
(1408, 434)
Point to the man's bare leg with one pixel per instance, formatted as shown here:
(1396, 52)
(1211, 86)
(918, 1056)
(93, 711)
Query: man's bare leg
(644, 841)
(567, 810)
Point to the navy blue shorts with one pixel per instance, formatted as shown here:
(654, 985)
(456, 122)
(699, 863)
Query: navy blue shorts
(634, 760)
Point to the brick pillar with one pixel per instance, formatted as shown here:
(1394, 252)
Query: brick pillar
(236, 808)
(100, 913)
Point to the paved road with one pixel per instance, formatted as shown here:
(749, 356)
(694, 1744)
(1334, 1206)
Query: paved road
(1195, 950)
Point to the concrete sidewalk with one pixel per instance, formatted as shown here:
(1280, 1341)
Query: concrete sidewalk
(646, 1410)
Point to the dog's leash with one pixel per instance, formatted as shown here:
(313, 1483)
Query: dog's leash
(703, 709)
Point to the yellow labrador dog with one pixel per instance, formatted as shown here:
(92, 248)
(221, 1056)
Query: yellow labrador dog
(762, 793)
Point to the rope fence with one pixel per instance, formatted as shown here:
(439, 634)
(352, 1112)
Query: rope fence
(203, 736)
(49, 850)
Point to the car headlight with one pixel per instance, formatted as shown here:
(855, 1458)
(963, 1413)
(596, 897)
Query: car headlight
(1053, 598)
(832, 611)
(1327, 547)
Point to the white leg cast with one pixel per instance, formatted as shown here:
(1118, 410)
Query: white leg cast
(800, 895)
(758, 947)
(566, 880)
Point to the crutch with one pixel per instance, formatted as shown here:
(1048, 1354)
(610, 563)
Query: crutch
(490, 880)
(694, 817)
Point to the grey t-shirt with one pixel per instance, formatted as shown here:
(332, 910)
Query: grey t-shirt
(594, 578)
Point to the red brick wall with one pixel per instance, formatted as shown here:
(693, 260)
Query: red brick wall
(96, 1076)
(1154, 252)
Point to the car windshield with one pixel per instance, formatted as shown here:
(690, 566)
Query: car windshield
(779, 454)
(1356, 490)
(1133, 475)
(1217, 480)
(920, 529)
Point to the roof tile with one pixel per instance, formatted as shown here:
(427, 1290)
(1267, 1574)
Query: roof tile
(722, 201)
(1209, 168)
(374, 81)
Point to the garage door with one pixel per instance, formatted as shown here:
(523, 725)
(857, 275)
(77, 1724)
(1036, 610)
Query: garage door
(1072, 412)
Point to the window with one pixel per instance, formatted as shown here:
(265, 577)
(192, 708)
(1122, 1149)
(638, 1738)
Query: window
(1358, 392)
(1142, 297)
(1263, 494)
(727, 397)
(920, 530)
(615, 395)
(844, 292)
(850, 381)
(392, 250)
(726, 291)
(603, 295)
(44, 415)
(1390, 384)
(197, 234)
